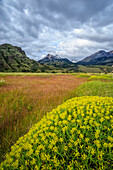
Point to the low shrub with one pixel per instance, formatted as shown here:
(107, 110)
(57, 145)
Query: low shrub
(76, 135)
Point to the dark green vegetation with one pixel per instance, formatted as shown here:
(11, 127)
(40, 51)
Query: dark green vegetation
(14, 59)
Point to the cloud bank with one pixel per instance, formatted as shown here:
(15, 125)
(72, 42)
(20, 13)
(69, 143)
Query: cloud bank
(72, 29)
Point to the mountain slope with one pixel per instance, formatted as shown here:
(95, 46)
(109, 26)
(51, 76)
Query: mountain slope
(99, 58)
(13, 58)
(55, 61)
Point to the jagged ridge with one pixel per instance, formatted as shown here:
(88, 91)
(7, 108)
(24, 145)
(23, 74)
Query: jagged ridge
(55, 61)
(99, 58)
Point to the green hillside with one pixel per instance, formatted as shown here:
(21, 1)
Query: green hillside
(14, 59)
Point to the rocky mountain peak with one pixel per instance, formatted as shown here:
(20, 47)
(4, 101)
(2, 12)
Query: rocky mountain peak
(49, 56)
(50, 59)
(111, 52)
(99, 58)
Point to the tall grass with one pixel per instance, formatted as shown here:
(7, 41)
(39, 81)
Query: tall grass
(26, 99)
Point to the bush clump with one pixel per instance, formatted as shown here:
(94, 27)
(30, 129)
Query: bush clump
(76, 135)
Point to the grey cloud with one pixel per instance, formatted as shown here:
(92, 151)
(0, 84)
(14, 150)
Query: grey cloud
(79, 10)
(34, 24)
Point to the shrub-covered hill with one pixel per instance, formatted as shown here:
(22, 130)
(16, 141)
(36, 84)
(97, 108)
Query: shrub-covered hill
(13, 58)
(76, 135)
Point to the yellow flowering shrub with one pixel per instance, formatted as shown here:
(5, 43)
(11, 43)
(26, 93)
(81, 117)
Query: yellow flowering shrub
(101, 77)
(76, 135)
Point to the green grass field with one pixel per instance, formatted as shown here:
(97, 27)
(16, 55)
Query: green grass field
(95, 88)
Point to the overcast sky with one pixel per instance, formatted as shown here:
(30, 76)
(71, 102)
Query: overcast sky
(70, 28)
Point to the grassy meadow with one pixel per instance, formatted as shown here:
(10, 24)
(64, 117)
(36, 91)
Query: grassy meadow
(28, 98)
(25, 98)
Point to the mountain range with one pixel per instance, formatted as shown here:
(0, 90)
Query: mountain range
(14, 59)
(99, 58)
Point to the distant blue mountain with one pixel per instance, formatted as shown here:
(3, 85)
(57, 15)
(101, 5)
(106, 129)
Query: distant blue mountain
(99, 58)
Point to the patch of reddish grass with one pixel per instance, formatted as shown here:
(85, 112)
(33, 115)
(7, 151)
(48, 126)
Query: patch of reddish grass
(25, 99)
